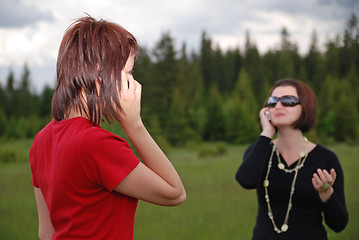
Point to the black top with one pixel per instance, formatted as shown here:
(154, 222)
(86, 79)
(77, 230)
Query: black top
(305, 217)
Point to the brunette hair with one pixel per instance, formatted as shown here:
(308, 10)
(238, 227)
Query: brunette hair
(308, 100)
(91, 56)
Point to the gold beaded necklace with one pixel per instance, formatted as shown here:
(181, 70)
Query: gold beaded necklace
(300, 164)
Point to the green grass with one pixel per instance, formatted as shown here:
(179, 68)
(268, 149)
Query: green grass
(216, 206)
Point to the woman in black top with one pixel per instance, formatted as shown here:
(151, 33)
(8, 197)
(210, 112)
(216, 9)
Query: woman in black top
(297, 182)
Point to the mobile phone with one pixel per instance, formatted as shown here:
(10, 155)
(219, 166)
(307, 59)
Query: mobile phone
(267, 115)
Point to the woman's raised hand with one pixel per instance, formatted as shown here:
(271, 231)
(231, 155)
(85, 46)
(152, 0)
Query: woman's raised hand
(155, 179)
(322, 182)
(268, 129)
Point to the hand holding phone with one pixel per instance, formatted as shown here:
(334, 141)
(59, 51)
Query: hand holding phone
(268, 129)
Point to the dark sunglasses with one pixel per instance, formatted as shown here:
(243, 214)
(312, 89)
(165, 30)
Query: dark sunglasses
(286, 101)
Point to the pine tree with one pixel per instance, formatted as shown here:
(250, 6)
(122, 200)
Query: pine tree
(288, 57)
(206, 60)
(45, 101)
(3, 119)
(243, 116)
(253, 65)
(26, 105)
(313, 65)
(215, 123)
(197, 113)
(164, 78)
(218, 69)
(10, 94)
(346, 118)
(326, 99)
(232, 63)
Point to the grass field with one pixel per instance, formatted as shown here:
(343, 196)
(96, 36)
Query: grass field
(216, 206)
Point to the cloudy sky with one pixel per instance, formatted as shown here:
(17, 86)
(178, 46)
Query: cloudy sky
(31, 30)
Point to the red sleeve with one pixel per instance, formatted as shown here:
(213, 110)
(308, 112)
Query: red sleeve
(106, 158)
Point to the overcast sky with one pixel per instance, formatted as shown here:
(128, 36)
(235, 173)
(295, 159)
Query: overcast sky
(31, 30)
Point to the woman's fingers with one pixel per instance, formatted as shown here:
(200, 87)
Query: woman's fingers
(317, 179)
(130, 100)
(328, 177)
(333, 174)
(129, 83)
(262, 112)
(323, 180)
(138, 90)
(132, 83)
(315, 184)
(321, 175)
(124, 81)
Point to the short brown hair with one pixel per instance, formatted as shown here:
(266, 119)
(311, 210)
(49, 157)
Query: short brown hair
(91, 56)
(308, 100)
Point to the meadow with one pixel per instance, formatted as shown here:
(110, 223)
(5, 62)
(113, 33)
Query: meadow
(216, 206)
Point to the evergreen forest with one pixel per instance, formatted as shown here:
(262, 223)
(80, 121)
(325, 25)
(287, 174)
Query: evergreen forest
(215, 95)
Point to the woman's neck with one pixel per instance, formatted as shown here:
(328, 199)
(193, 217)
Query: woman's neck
(289, 138)
(74, 113)
(290, 143)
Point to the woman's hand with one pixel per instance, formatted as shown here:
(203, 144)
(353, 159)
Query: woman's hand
(268, 129)
(155, 179)
(322, 182)
(130, 100)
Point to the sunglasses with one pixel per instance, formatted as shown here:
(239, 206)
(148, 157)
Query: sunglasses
(286, 101)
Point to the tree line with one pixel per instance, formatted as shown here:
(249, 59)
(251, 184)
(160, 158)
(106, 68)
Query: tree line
(215, 95)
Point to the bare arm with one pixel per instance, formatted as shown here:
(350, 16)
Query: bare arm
(155, 180)
(45, 227)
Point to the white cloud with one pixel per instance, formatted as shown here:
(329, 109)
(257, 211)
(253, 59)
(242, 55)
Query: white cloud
(36, 40)
(17, 13)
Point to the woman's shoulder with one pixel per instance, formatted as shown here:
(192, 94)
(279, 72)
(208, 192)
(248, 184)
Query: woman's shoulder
(323, 149)
(320, 151)
(261, 144)
(95, 135)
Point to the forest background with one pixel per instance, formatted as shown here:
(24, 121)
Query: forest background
(215, 95)
(205, 106)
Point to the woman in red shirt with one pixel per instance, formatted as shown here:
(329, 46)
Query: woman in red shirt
(87, 180)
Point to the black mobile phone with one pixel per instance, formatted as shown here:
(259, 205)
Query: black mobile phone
(267, 115)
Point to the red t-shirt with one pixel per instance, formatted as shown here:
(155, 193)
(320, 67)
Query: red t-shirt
(77, 165)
